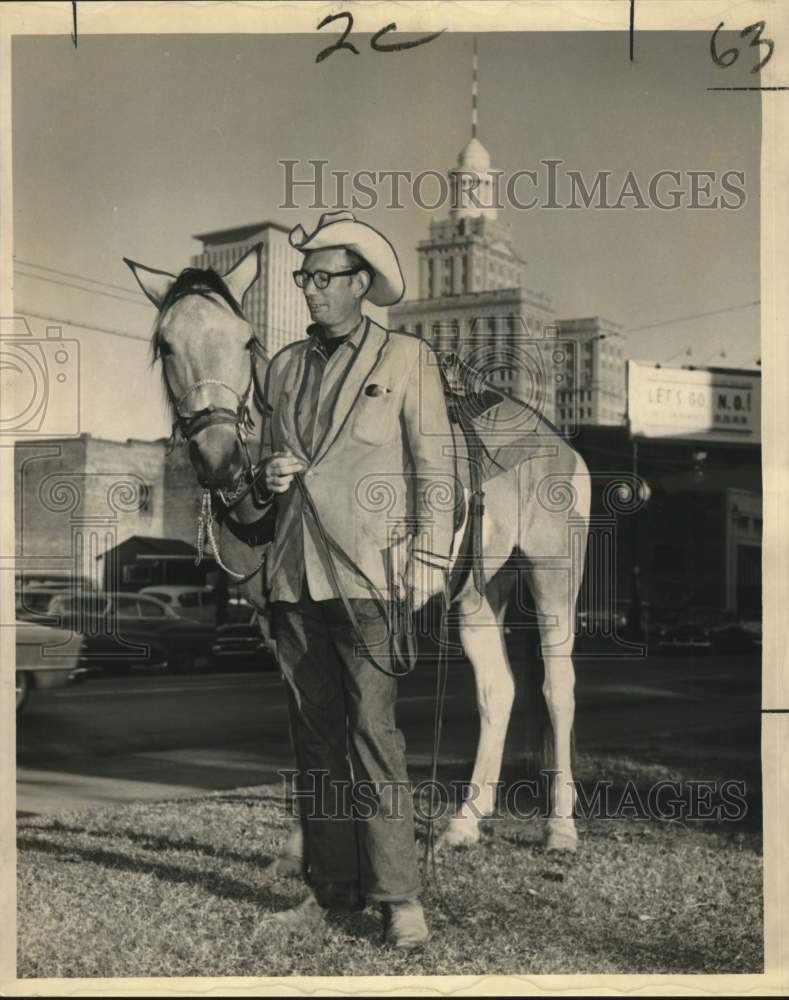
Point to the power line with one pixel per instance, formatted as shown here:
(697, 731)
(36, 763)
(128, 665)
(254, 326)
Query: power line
(719, 352)
(83, 326)
(83, 277)
(81, 288)
(685, 319)
(687, 351)
(104, 329)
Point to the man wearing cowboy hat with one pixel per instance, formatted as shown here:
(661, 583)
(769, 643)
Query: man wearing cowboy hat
(359, 447)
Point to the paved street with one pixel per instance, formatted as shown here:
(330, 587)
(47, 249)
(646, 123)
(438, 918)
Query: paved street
(161, 736)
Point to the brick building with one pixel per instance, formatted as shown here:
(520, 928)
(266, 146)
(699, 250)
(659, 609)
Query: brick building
(76, 498)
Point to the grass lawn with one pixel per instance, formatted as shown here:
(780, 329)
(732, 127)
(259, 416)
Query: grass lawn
(177, 889)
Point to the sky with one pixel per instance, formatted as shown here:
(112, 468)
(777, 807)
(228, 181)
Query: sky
(127, 146)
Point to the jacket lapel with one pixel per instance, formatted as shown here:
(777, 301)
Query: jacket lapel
(294, 383)
(367, 357)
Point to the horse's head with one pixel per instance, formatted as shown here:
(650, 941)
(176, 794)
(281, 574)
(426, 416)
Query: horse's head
(208, 356)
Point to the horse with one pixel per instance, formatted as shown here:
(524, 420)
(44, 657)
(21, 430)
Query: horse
(536, 520)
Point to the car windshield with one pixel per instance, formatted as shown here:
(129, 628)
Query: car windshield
(33, 603)
(150, 609)
(162, 596)
(86, 606)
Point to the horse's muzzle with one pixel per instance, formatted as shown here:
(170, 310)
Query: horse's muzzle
(218, 461)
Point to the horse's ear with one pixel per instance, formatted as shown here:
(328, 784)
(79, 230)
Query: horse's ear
(155, 284)
(243, 275)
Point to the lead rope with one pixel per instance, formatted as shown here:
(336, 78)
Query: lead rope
(202, 523)
(397, 618)
(442, 674)
(205, 526)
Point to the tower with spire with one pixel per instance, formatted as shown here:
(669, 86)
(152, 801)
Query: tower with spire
(472, 183)
(470, 250)
(471, 280)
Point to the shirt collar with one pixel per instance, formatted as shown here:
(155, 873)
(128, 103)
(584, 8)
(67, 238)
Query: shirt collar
(318, 336)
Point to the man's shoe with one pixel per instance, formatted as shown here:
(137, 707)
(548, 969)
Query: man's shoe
(307, 917)
(404, 925)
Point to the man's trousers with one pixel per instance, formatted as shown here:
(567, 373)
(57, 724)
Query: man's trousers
(354, 795)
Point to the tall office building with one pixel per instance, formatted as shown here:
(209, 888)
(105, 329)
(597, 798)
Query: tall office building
(472, 300)
(274, 305)
(594, 390)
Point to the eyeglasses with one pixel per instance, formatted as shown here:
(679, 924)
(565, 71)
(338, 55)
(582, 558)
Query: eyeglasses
(321, 279)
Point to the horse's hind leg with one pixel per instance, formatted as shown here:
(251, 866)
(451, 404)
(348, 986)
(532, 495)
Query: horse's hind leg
(482, 636)
(556, 608)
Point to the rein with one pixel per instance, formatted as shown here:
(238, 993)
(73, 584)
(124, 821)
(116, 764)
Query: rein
(396, 614)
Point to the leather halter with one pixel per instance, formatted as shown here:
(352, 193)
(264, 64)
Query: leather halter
(193, 422)
(189, 423)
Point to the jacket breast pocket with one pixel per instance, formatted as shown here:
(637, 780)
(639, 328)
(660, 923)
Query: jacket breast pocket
(376, 419)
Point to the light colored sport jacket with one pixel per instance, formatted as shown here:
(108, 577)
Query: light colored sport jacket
(383, 467)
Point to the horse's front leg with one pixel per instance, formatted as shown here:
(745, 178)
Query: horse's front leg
(482, 636)
(290, 860)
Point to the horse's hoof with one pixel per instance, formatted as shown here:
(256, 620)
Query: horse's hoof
(458, 837)
(561, 837)
(284, 866)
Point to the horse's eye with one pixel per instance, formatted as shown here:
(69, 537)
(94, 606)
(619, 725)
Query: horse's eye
(163, 349)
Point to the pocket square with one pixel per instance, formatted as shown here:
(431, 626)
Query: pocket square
(376, 390)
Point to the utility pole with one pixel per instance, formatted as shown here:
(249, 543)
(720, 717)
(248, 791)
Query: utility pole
(634, 629)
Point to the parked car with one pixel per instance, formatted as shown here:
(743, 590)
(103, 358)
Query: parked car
(198, 603)
(54, 579)
(238, 611)
(32, 604)
(243, 643)
(727, 632)
(46, 657)
(686, 637)
(33, 596)
(122, 630)
(611, 621)
(736, 637)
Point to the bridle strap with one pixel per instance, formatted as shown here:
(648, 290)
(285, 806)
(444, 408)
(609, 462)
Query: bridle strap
(209, 417)
(209, 381)
(194, 421)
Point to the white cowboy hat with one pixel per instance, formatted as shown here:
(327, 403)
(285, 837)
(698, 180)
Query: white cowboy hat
(340, 229)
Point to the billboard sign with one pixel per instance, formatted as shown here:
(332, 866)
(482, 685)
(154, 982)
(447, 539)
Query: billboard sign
(700, 405)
